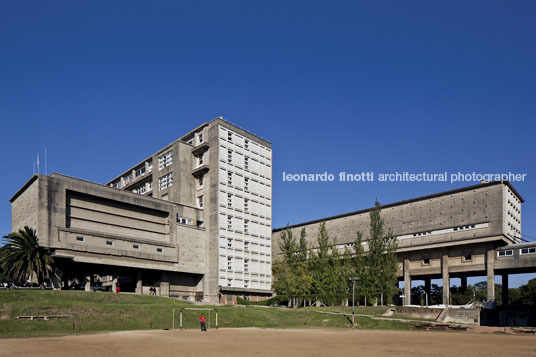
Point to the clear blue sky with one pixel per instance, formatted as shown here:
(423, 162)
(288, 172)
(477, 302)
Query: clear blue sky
(349, 86)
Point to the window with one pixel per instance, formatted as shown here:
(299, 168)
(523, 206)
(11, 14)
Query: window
(505, 253)
(230, 156)
(246, 246)
(109, 242)
(200, 160)
(200, 139)
(150, 186)
(229, 136)
(229, 200)
(166, 181)
(426, 261)
(80, 239)
(183, 220)
(229, 178)
(467, 257)
(246, 144)
(246, 265)
(229, 243)
(165, 160)
(200, 181)
(246, 282)
(528, 250)
(140, 190)
(159, 250)
(135, 246)
(246, 226)
(246, 163)
(229, 297)
(246, 184)
(150, 166)
(140, 171)
(246, 205)
(229, 222)
(229, 263)
(200, 202)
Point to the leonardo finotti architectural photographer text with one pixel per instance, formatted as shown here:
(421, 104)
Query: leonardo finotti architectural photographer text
(370, 176)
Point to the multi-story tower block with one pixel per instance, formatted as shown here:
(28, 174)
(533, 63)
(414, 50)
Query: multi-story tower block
(194, 217)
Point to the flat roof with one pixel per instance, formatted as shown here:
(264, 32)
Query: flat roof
(416, 199)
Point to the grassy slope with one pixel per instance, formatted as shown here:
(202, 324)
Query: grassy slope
(98, 311)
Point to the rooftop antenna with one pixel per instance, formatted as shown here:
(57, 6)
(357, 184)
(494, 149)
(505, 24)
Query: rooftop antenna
(37, 162)
(45, 160)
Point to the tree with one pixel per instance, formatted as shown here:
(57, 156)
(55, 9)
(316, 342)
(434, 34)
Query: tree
(528, 293)
(290, 270)
(22, 257)
(380, 262)
(302, 246)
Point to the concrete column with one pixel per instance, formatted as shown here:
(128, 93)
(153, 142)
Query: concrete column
(407, 283)
(446, 279)
(490, 274)
(88, 283)
(505, 289)
(55, 280)
(164, 284)
(428, 289)
(463, 284)
(139, 284)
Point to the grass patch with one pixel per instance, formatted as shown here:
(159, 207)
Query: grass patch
(99, 312)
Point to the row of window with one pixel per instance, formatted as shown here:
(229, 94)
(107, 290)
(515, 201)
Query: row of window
(166, 181)
(522, 251)
(110, 243)
(247, 143)
(514, 217)
(143, 188)
(165, 160)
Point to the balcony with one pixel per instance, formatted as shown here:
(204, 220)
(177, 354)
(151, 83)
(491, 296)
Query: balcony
(200, 170)
(200, 148)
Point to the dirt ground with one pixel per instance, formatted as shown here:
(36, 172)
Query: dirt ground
(268, 342)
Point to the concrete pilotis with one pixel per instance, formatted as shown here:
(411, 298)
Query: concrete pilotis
(407, 283)
(463, 283)
(139, 283)
(446, 279)
(164, 284)
(490, 275)
(505, 289)
(87, 286)
(427, 289)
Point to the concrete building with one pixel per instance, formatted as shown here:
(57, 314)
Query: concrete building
(194, 218)
(471, 231)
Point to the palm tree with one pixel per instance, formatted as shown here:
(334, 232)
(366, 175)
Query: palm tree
(22, 257)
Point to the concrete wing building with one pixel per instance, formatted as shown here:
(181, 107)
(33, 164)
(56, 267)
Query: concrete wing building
(193, 219)
(470, 231)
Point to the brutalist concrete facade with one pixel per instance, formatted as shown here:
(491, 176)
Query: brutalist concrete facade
(176, 219)
(452, 234)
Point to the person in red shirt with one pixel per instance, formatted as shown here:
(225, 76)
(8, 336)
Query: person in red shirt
(202, 318)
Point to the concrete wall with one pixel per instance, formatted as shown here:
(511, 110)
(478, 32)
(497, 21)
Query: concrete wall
(96, 224)
(431, 220)
(24, 211)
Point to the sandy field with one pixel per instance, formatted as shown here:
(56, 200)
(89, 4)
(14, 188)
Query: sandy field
(268, 342)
